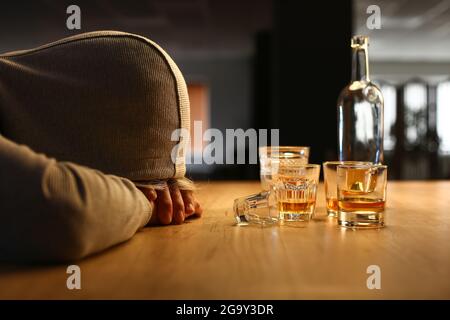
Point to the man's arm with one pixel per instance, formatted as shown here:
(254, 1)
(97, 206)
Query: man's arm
(57, 211)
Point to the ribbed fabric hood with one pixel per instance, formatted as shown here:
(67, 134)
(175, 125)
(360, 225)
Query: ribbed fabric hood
(108, 100)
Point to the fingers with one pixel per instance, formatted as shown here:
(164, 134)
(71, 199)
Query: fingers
(172, 205)
(177, 204)
(164, 206)
(189, 205)
(149, 193)
(198, 209)
(151, 196)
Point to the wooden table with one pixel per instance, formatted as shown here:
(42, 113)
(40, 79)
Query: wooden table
(211, 258)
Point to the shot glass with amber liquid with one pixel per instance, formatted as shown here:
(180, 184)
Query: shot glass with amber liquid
(361, 190)
(296, 192)
(330, 184)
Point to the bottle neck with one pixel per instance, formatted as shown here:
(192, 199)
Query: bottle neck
(360, 64)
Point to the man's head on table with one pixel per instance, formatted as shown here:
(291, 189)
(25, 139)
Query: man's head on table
(112, 102)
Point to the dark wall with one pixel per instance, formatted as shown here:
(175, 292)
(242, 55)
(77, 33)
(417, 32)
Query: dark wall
(299, 69)
(311, 64)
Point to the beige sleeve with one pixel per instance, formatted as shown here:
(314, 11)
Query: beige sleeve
(59, 211)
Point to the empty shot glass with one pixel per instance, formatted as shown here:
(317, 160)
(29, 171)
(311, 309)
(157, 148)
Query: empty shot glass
(257, 208)
(329, 174)
(273, 157)
(291, 199)
(361, 195)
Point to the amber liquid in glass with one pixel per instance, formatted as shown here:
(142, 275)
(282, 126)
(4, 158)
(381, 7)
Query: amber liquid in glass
(296, 201)
(361, 212)
(295, 210)
(361, 205)
(332, 207)
(293, 206)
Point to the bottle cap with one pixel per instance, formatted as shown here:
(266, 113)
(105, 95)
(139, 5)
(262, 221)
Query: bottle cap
(359, 41)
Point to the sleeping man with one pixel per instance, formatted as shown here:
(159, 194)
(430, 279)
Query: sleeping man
(86, 151)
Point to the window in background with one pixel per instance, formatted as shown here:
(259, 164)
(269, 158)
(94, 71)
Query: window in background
(415, 100)
(390, 115)
(199, 101)
(443, 116)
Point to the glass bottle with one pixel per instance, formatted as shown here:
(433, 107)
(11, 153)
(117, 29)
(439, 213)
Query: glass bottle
(360, 111)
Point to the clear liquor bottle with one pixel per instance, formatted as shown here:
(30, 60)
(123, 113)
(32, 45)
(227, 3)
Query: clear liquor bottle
(360, 111)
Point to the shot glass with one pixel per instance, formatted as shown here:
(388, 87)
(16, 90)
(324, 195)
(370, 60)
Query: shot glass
(271, 158)
(296, 192)
(290, 201)
(259, 208)
(329, 173)
(361, 195)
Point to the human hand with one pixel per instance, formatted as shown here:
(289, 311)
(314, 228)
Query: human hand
(172, 205)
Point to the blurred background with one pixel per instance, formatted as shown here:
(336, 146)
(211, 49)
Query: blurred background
(281, 64)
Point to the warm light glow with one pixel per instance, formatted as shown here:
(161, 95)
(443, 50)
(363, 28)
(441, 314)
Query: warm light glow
(443, 116)
(415, 104)
(390, 115)
(199, 101)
